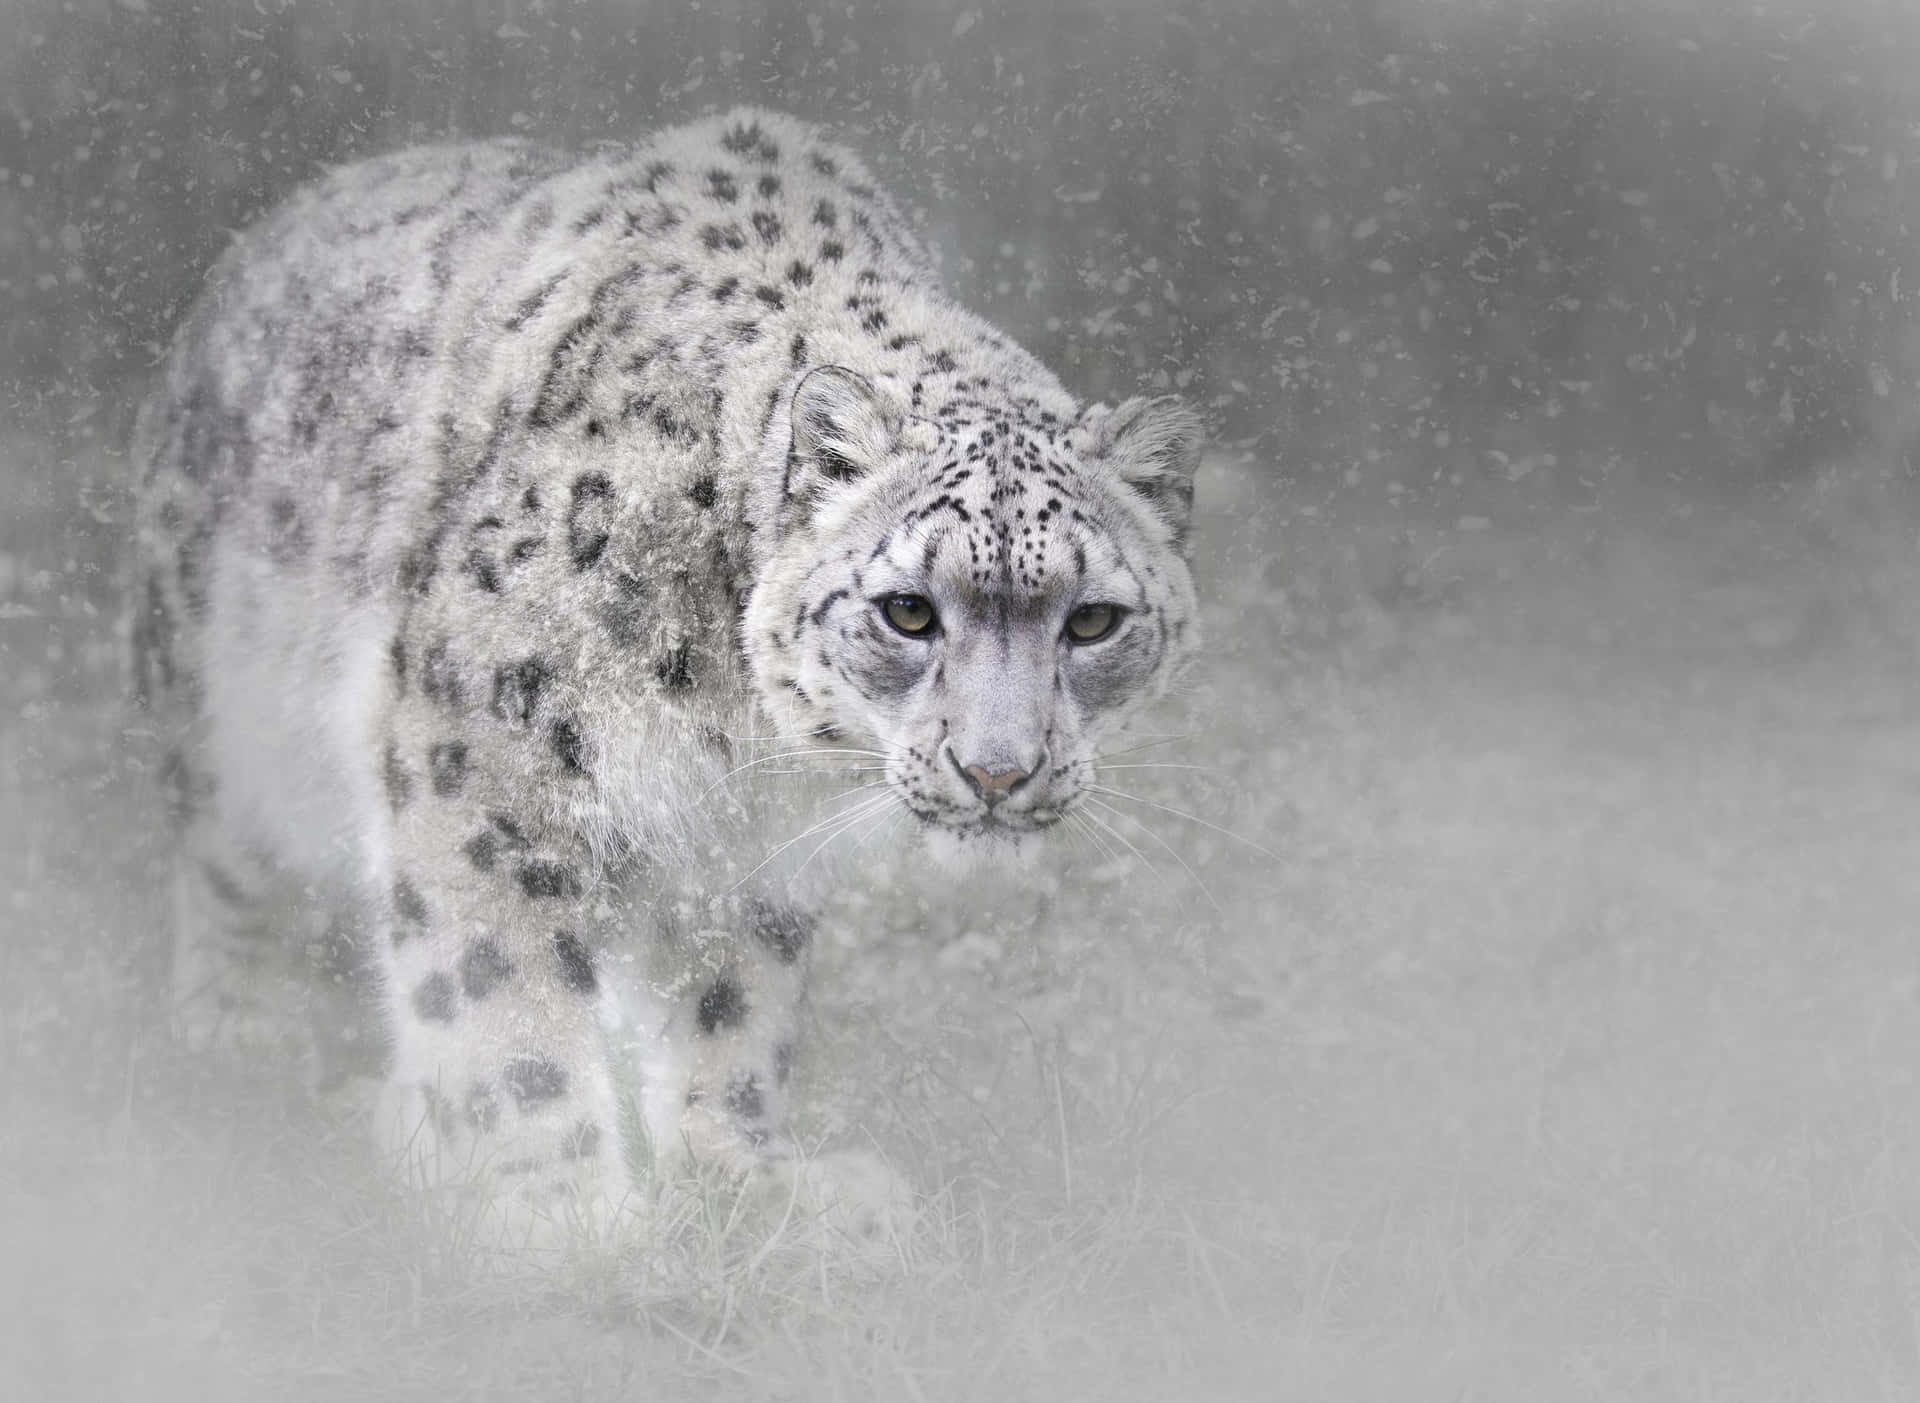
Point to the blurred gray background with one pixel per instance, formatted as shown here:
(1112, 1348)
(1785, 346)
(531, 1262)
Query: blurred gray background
(1448, 246)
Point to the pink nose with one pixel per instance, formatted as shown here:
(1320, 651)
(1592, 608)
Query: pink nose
(995, 786)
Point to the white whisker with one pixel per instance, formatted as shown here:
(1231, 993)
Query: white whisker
(1077, 825)
(829, 770)
(788, 755)
(870, 784)
(1144, 745)
(886, 832)
(870, 809)
(870, 816)
(1182, 813)
(860, 809)
(1194, 876)
(1121, 839)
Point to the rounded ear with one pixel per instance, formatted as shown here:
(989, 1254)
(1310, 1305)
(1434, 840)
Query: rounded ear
(843, 427)
(1153, 444)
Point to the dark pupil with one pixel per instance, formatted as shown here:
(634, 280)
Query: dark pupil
(910, 613)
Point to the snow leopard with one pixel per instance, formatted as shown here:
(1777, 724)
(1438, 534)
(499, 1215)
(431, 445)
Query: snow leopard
(498, 506)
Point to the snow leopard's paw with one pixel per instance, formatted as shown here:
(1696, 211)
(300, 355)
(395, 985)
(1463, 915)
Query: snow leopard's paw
(846, 1197)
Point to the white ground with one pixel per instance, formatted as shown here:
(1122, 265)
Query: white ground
(1567, 1049)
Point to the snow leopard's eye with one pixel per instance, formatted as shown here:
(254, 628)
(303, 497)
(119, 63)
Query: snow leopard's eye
(911, 614)
(1092, 622)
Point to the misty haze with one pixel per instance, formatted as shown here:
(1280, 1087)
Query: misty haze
(1487, 974)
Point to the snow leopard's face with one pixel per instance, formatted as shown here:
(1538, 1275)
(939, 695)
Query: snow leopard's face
(979, 598)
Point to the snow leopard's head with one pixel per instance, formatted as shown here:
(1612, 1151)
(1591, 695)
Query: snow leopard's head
(979, 596)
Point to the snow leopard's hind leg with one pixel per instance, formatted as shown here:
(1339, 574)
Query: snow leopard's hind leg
(225, 966)
(249, 970)
(214, 908)
(259, 967)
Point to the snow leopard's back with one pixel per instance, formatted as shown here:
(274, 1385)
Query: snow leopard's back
(283, 466)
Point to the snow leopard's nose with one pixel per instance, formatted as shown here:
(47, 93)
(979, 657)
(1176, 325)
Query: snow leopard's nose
(990, 785)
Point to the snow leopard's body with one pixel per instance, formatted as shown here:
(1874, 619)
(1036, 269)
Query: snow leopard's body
(495, 497)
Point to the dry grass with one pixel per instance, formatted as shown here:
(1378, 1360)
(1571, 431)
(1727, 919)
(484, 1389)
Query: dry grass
(1567, 1052)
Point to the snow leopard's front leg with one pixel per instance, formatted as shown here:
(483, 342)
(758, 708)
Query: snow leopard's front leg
(500, 1078)
(710, 1028)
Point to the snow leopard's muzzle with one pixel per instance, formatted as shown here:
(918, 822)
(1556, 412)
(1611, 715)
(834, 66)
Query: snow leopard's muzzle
(987, 750)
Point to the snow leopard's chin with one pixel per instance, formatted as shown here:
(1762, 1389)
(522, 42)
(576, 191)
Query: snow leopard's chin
(979, 848)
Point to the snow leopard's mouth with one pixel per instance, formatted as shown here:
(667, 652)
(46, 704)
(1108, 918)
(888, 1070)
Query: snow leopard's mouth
(990, 824)
(984, 844)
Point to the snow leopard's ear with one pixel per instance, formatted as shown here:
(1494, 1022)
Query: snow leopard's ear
(844, 426)
(1153, 445)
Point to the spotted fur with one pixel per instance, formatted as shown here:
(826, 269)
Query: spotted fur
(491, 493)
